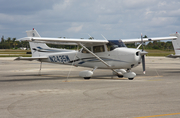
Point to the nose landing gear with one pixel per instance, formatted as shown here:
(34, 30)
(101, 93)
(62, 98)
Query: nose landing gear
(126, 73)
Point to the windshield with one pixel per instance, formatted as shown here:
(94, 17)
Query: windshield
(115, 44)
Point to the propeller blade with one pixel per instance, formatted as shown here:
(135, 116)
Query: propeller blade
(142, 42)
(143, 53)
(143, 64)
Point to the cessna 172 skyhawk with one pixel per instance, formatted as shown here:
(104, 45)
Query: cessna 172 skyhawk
(96, 54)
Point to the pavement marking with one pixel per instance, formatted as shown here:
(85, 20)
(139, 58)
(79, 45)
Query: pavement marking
(148, 76)
(155, 80)
(157, 72)
(159, 115)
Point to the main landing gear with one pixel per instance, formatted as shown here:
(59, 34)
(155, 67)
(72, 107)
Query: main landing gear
(87, 74)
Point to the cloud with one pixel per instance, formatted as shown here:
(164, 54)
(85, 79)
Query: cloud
(77, 18)
(20, 7)
(75, 28)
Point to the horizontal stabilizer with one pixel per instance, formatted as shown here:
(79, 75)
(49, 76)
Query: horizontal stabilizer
(30, 58)
(173, 56)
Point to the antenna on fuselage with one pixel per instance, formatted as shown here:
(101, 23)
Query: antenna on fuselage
(103, 37)
(91, 37)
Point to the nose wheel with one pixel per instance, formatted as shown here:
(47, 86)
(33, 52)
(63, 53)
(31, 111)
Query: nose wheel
(87, 78)
(130, 78)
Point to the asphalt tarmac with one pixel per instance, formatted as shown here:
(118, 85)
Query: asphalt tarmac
(58, 91)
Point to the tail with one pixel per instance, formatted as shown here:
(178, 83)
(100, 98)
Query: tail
(37, 49)
(41, 49)
(176, 45)
(32, 33)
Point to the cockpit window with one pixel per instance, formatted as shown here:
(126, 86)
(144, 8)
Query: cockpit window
(85, 51)
(113, 44)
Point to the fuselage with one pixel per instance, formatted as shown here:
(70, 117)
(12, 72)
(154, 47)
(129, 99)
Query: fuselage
(115, 54)
(118, 58)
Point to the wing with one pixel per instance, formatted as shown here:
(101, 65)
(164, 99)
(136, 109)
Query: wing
(61, 41)
(173, 56)
(88, 42)
(148, 39)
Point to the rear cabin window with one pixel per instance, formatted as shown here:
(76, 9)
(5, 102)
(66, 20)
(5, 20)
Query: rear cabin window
(98, 48)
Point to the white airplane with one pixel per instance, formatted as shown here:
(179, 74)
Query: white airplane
(96, 54)
(176, 45)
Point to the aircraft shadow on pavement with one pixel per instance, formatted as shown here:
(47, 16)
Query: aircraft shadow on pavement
(171, 70)
(35, 77)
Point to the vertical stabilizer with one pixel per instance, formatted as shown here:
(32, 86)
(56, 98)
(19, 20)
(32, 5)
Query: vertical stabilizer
(32, 33)
(37, 49)
(176, 43)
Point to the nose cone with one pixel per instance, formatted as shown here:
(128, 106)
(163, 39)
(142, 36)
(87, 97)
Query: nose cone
(138, 56)
(143, 53)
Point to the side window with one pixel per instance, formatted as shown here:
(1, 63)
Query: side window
(84, 51)
(98, 48)
(110, 47)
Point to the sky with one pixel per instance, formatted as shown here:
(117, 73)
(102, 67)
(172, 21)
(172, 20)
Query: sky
(115, 19)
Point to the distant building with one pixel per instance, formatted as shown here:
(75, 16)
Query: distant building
(23, 48)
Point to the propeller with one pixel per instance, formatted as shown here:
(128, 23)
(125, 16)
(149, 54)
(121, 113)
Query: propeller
(143, 55)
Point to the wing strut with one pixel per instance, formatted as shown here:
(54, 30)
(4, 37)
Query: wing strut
(98, 58)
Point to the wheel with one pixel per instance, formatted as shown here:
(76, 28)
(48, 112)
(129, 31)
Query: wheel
(130, 78)
(120, 76)
(87, 78)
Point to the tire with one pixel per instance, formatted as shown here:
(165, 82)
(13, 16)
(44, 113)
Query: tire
(130, 78)
(87, 78)
(120, 76)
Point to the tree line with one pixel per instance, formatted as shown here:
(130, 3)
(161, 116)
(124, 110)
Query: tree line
(154, 45)
(11, 43)
(158, 45)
